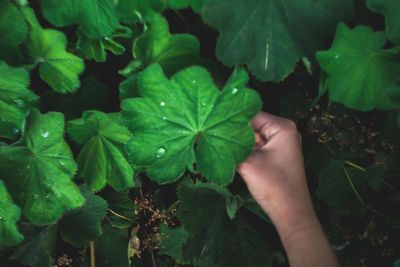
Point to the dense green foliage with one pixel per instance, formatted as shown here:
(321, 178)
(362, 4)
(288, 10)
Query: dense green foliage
(122, 123)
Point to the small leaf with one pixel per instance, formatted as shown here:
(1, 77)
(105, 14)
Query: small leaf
(9, 216)
(15, 100)
(231, 207)
(122, 209)
(157, 45)
(111, 249)
(102, 159)
(97, 48)
(172, 241)
(38, 169)
(390, 9)
(96, 18)
(88, 217)
(187, 119)
(359, 69)
(38, 251)
(47, 47)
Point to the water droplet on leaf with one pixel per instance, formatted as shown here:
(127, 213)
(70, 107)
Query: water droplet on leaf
(160, 152)
(194, 81)
(203, 104)
(44, 133)
(235, 91)
(35, 196)
(20, 103)
(162, 103)
(164, 118)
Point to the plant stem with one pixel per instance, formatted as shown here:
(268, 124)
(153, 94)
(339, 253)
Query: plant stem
(352, 186)
(119, 215)
(358, 167)
(153, 259)
(92, 254)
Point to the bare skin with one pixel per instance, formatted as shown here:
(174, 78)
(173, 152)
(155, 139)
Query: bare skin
(275, 176)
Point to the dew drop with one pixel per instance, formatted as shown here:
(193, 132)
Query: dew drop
(16, 130)
(106, 38)
(20, 103)
(35, 196)
(162, 103)
(235, 91)
(1, 218)
(47, 196)
(28, 167)
(40, 59)
(45, 134)
(203, 104)
(336, 56)
(164, 118)
(160, 152)
(194, 81)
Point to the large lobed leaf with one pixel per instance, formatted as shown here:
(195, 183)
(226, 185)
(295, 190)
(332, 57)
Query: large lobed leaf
(102, 159)
(390, 9)
(88, 217)
(15, 100)
(9, 216)
(38, 169)
(187, 120)
(47, 47)
(359, 69)
(213, 239)
(270, 36)
(96, 18)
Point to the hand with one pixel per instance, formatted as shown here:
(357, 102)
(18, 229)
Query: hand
(275, 176)
(274, 172)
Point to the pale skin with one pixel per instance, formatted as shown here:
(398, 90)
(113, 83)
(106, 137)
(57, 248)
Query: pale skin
(274, 174)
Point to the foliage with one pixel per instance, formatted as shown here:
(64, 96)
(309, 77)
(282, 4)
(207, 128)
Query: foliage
(105, 105)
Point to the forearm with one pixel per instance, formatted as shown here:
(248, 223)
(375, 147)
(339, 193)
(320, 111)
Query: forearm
(303, 238)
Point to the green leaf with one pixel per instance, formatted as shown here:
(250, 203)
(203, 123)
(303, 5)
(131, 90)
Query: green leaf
(96, 18)
(196, 5)
(38, 169)
(231, 207)
(97, 48)
(359, 69)
(215, 240)
(38, 251)
(47, 48)
(172, 241)
(88, 217)
(271, 36)
(15, 100)
(129, 87)
(102, 158)
(91, 95)
(9, 216)
(187, 119)
(112, 248)
(120, 203)
(172, 52)
(13, 30)
(390, 9)
(340, 187)
(396, 263)
(138, 11)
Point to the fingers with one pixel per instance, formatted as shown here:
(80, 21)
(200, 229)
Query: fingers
(268, 125)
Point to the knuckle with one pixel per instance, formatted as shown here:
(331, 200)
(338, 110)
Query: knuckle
(289, 125)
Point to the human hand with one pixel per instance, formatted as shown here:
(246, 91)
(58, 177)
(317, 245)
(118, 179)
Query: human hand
(275, 176)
